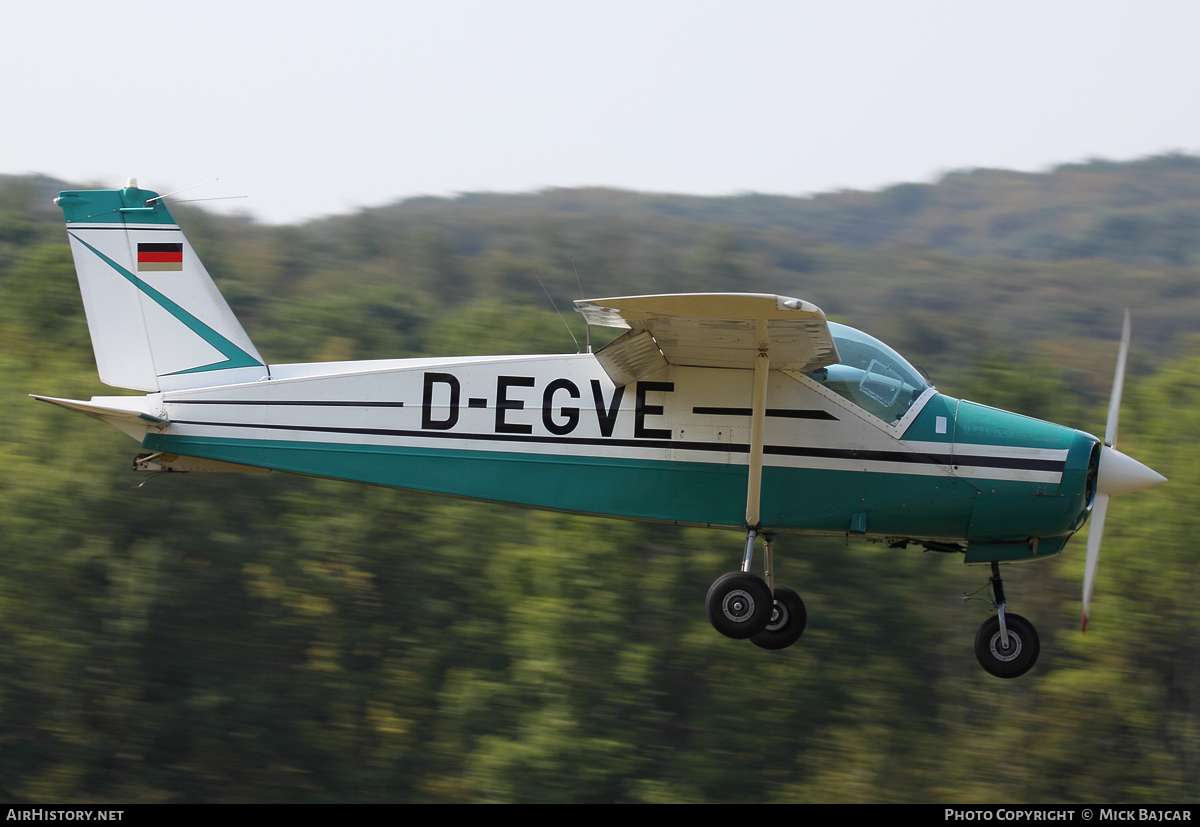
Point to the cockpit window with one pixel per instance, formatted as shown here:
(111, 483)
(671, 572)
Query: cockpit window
(871, 374)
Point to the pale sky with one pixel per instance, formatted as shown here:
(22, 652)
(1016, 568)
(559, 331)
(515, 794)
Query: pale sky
(317, 108)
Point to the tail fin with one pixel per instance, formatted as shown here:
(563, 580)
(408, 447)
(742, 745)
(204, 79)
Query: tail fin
(156, 319)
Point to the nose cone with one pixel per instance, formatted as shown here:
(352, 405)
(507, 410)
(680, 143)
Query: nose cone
(1120, 474)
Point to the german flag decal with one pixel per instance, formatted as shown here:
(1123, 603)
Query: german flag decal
(159, 257)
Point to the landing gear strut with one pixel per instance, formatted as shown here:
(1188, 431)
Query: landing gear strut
(740, 605)
(1006, 645)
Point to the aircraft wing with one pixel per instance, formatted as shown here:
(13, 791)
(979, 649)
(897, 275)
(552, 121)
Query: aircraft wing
(715, 330)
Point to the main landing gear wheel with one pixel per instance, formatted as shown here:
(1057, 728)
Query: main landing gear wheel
(1018, 657)
(739, 605)
(788, 619)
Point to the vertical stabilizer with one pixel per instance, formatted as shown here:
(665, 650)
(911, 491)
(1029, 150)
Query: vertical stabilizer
(156, 318)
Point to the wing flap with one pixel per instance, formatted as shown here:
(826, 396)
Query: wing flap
(631, 356)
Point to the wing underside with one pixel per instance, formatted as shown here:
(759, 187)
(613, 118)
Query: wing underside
(716, 330)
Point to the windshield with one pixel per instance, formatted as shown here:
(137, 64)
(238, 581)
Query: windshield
(871, 374)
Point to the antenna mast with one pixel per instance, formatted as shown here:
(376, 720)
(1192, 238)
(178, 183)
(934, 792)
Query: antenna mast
(587, 325)
(556, 310)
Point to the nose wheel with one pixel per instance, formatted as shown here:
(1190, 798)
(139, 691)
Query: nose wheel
(1011, 660)
(1006, 645)
(741, 605)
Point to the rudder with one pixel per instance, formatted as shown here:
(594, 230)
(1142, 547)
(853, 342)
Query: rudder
(156, 318)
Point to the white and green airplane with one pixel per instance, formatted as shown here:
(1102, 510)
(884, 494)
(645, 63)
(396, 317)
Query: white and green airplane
(739, 411)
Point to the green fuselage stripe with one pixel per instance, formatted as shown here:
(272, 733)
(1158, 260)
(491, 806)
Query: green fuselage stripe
(697, 493)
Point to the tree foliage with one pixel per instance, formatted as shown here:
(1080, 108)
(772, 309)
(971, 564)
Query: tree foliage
(280, 638)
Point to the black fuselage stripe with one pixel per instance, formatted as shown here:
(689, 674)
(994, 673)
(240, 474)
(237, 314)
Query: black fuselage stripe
(294, 403)
(434, 434)
(1017, 463)
(777, 412)
(733, 447)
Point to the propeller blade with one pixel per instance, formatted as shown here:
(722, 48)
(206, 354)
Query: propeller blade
(1095, 534)
(1100, 504)
(1114, 402)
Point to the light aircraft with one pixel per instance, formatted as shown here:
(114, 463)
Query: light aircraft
(739, 411)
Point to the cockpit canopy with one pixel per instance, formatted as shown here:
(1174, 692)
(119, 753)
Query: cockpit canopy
(871, 375)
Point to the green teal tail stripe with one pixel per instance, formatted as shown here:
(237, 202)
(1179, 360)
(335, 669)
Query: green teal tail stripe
(235, 357)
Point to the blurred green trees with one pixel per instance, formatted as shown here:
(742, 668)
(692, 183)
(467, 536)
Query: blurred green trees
(276, 638)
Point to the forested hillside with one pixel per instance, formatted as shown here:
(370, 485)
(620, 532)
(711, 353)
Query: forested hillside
(1140, 212)
(278, 638)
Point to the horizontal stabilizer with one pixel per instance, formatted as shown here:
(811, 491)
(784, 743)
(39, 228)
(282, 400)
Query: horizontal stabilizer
(133, 423)
(103, 411)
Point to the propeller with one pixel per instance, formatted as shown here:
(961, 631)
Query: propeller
(1118, 474)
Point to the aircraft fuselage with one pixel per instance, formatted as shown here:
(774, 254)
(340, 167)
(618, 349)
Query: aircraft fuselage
(554, 432)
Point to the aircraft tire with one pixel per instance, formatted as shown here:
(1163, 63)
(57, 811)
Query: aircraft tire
(739, 605)
(1023, 639)
(788, 619)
